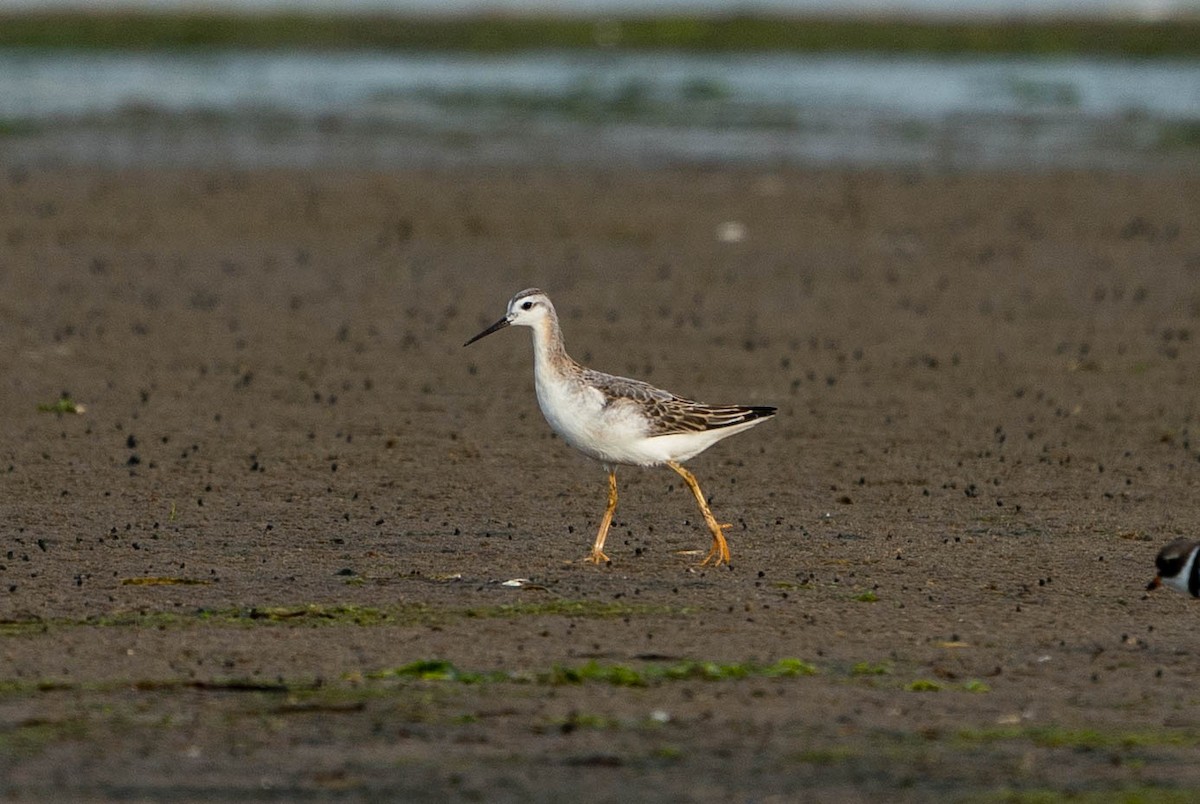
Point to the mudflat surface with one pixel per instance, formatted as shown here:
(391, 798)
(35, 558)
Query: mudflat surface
(290, 483)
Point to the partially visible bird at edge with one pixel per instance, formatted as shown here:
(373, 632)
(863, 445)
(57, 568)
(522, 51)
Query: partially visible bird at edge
(1178, 567)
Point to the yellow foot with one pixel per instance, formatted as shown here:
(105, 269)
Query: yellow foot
(718, 554)
(597, 557)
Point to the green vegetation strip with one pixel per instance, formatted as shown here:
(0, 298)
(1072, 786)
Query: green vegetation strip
(618, 675)
(1125, 794)
(1087, 739)
(643, 674)
(161, 581)
(716, 34)
(315, 615)
(439, 670)
(64, 404)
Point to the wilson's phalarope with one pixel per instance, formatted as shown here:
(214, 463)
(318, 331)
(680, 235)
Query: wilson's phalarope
(621, 421)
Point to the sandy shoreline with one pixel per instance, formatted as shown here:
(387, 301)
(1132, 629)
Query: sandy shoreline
(291, 480)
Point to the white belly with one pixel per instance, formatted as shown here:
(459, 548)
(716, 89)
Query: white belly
(1180, 581)
(611, 434)
(616, 433)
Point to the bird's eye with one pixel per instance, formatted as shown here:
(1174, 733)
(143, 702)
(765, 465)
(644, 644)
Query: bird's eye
(527, 306)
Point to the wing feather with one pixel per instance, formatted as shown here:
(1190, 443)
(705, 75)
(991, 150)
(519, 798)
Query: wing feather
(667, 413)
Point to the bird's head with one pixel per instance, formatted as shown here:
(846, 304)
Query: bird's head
(527, 309)
(1173, 563)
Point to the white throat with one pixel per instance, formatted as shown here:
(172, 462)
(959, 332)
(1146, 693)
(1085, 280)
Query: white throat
(1180, 582)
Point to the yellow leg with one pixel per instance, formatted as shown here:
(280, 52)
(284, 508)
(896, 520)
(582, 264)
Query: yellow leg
(597, 555)
(719, 552)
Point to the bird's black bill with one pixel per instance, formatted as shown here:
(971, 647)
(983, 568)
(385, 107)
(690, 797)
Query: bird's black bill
(1157, 582)
(501, 324)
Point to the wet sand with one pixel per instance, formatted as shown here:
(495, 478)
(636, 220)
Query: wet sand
(290, 482)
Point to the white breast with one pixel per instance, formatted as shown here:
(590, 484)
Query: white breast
(612, 434)
(1180, 581)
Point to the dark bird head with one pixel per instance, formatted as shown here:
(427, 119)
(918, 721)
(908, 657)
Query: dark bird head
(1176, 567)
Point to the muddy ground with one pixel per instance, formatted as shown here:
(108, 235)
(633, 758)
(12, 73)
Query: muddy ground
(290, 482)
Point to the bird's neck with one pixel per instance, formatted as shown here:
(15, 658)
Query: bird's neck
(549, 354)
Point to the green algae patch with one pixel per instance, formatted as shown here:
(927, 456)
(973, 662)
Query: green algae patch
(33, 687)
(1085, 739)
(162, 581)
(584, 720)
(245, 617)
(33, 735)
(332, 615)
(572, 608)
(1135, 794)
(593, 672)
(63, 405)
(827, 756)
(321, 615)
(439, 670)
(626, 676)
(871, 669)
(618, 675)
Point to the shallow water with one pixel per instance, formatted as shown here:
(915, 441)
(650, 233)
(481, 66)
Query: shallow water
(372, 109)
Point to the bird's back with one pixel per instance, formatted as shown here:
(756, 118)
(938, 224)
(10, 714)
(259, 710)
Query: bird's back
(641, 424)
